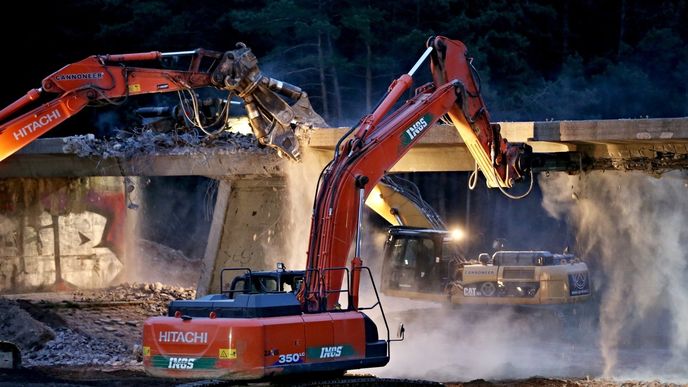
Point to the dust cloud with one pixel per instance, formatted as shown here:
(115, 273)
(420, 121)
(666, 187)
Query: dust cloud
(447, 343)
(302, 178)
(631, 228)
(157, 213)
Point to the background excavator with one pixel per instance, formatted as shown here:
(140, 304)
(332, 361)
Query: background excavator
(267, 324)
(422, 259)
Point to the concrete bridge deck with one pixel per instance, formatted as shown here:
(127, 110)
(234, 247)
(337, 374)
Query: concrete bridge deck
(440, 150)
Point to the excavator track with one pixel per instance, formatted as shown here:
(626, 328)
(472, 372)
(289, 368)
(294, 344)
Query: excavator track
(317, 381)
(81, 377)
(354, 380)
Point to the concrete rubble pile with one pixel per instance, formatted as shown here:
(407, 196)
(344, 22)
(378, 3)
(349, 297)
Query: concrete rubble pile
(147, 141)
(18, 327)
(157, 294)
(71, 348)
(85, 328)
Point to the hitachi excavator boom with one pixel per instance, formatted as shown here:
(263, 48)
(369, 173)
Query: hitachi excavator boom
(103, 79)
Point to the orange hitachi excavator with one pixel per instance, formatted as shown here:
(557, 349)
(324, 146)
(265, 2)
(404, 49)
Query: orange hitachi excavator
(103, 79)
(266, 324)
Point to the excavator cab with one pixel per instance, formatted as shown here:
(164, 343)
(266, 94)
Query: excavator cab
(280, 281)
(417, 260)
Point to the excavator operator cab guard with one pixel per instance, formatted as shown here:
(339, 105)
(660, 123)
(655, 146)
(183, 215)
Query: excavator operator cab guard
(279, 281)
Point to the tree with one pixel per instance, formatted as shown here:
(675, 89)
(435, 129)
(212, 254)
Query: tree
(299, 34)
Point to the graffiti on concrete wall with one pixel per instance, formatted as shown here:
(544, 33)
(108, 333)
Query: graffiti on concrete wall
(58, 238)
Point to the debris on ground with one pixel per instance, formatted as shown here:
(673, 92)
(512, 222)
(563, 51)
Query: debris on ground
(97, 335)
(18, 327)
(87, 327)
(155, 295)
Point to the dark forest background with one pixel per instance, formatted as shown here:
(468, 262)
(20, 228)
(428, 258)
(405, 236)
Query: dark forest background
(538, 60)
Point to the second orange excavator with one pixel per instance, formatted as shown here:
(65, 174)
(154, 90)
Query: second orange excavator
(111, 79)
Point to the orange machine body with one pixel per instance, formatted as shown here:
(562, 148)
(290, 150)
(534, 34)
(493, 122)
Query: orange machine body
(256, 348)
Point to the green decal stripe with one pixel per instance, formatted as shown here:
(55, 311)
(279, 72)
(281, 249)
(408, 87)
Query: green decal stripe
(406, 136)
(405, 139)
(159, 362)
(200, 362)
(315, 352)
(347, 350)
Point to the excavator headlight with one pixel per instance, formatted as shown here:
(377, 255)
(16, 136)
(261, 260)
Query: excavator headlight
(457, 234)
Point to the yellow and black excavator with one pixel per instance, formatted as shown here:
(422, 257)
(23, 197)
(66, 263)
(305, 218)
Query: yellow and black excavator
(422, 260)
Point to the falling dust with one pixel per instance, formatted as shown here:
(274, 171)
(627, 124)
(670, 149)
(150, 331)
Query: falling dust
(150, 261)
(631, 228)
(630, 231)
(302, 178)
(450, 344)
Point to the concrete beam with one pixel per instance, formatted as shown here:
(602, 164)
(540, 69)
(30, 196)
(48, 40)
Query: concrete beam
(46, 158)
(585, 131)
(439, 150)
(247, 221)
(609, 142)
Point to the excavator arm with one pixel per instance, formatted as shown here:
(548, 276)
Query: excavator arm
(102, 79)
(96, 78)
(380, 139)
(502, 162)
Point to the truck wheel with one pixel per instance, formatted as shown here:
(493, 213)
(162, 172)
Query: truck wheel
(488, 289)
